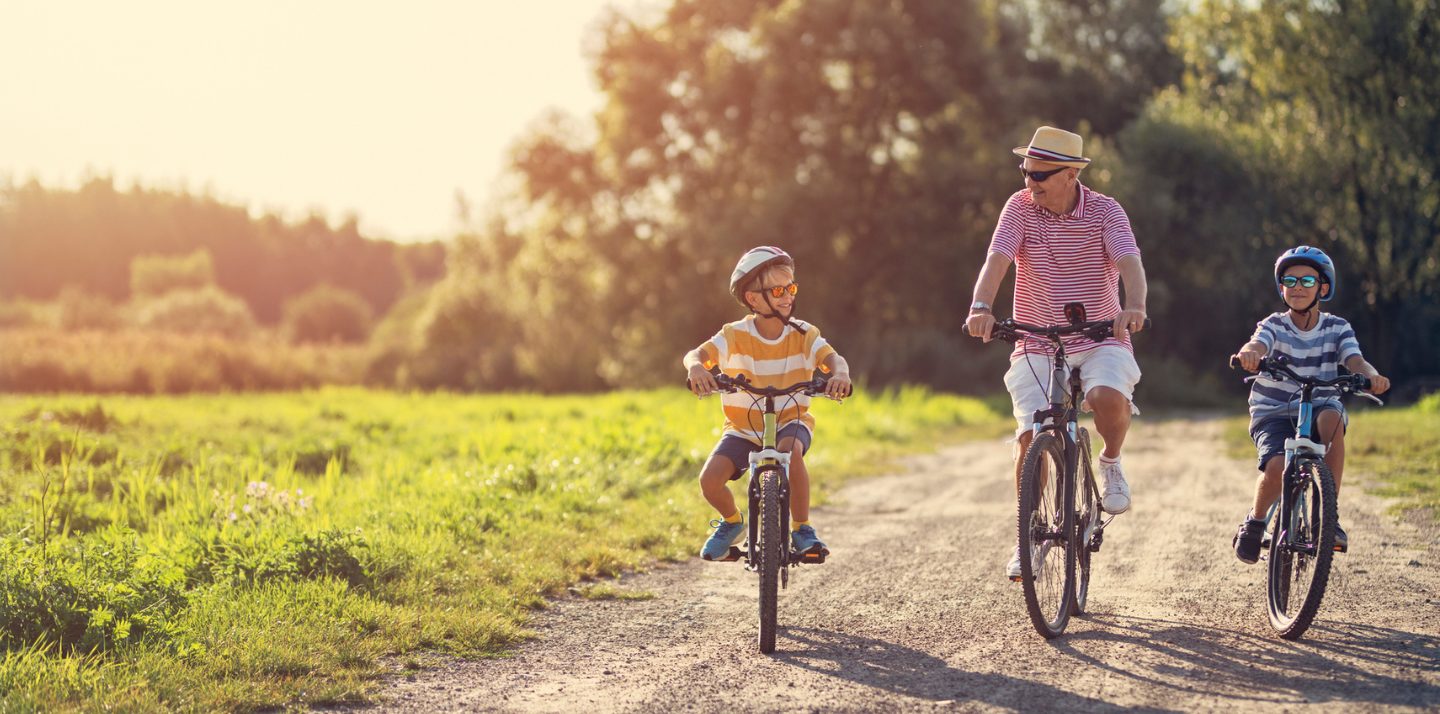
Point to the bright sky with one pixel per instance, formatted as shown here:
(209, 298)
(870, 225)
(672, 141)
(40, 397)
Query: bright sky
(379, 109)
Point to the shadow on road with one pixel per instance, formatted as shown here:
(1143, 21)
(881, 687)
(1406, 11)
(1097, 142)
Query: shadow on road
(907, 671)
(1228, 663)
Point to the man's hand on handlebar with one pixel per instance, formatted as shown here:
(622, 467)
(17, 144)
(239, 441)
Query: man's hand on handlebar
(1132, 320)
(980, 324)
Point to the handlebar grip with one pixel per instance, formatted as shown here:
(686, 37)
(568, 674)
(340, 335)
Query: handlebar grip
(1147, 323)
(1234, 361)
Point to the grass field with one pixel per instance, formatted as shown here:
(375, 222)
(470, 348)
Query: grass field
(241, 553)
(1390, 452)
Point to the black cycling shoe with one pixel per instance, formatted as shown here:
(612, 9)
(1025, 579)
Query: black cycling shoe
(1247, 541)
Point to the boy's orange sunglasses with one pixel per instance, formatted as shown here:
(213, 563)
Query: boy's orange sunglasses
(780, 290)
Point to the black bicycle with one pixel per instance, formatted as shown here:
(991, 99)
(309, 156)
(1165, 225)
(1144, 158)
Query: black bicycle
(1060, 521)
(1302, 522)
(768, 549)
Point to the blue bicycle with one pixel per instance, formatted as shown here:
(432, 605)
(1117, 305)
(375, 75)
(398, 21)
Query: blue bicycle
(1302, 522)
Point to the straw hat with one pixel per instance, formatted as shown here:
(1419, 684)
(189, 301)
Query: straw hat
(1055, 146)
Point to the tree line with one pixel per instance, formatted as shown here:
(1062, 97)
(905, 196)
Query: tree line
(871, 139)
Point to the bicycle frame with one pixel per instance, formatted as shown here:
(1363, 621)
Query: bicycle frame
(768, 458)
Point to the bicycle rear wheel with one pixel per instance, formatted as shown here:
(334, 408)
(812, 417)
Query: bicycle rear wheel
(774, 553)
(1047, 535)
(1302, 538)
(1087, 521)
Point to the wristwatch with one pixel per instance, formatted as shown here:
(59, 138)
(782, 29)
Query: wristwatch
(977, 305)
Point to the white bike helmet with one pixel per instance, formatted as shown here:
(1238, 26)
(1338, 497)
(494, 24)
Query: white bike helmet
(751, 265)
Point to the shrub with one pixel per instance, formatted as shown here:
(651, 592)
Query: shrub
(327, 314)
(24, 313)
(154, 275)
(78, 309)
(206, 310)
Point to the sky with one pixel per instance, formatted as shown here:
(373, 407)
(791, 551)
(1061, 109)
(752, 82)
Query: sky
(378, 110)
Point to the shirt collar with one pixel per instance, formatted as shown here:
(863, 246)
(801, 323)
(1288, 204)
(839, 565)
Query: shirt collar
(1078, 212)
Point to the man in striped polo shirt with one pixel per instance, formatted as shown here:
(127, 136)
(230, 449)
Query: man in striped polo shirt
(1315, 344)
(1068, 244)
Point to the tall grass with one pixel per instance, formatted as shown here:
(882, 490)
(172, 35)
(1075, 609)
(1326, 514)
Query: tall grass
(223, 552)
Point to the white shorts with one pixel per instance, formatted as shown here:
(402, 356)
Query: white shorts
(1028, 380)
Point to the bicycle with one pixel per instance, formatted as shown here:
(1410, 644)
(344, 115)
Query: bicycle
(1302, 521)
(1060, 520)
(768, 549)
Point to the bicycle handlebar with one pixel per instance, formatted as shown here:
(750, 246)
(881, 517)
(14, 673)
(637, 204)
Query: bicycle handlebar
(1011, 331)
(741, 383)
(1278, 368)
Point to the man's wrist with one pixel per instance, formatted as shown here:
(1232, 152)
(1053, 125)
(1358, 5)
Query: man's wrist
(979, 306)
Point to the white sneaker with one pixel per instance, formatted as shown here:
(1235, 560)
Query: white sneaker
(1115, 498)
(1012, 569)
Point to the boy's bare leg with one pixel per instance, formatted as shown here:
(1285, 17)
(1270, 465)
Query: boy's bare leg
(714, 480)
(1112, 418)
(1267, 486)
(799, 480)
(1332, 433)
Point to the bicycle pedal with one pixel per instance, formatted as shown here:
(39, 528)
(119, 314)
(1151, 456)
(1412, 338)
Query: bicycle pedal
(1340, 548)
(733, 555)
(814, 556)
(1096, 541)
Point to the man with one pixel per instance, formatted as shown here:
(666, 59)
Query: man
(1068, 244)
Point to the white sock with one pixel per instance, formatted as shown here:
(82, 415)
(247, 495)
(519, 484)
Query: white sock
(1107, 460)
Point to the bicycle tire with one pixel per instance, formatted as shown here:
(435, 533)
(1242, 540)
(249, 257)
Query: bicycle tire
(774, 552)
(1046, 528)
(1302, 548)
(1087, 518)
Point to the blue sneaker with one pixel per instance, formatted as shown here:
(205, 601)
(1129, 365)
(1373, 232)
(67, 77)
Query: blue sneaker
(724, 536)
(805, 540)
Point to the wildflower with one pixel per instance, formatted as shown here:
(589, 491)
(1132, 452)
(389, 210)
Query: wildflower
(245, 509)
(233, 516)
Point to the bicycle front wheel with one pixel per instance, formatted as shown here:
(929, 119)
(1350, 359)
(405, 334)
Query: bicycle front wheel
(1047, 535)
(774, 554)
(1087, 521)
(1302, 538)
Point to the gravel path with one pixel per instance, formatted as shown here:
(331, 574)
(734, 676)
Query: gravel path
(912, 614)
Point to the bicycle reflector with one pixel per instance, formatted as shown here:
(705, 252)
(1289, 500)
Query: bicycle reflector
(1075, 312)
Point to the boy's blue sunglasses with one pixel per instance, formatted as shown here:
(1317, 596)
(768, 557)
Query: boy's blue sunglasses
(1309, 281)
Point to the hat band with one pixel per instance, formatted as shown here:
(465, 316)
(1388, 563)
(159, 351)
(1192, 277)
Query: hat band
(1051, 155)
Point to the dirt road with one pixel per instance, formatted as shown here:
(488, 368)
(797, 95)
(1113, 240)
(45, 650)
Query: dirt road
(912, 613)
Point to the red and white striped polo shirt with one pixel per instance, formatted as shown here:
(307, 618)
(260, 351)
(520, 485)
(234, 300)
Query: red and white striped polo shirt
(1063, 259)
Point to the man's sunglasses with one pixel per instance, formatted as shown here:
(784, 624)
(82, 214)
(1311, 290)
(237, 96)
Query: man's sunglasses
(780, 290)
(1290, 281)
(1040, 176)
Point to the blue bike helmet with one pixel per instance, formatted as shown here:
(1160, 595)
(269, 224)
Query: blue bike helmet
(1305, 255)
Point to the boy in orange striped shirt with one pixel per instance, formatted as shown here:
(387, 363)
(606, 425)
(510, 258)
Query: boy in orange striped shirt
(772, 349)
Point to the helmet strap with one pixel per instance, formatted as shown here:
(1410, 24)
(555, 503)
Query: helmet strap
(1306, 312)
(775, 312)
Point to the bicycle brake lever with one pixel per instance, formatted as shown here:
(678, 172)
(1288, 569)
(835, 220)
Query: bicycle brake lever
(1372, 398)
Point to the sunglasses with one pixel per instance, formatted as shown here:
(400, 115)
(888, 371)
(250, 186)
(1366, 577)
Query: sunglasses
(780, 290)
(1040, 176)
(1309, 281)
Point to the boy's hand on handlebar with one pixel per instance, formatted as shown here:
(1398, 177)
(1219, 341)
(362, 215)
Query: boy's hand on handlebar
(701, 382)
(1133, 320)
(839, 386)
(1250, 361)
(1378, 384)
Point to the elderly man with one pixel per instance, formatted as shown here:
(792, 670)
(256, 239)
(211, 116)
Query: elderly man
(1068, 244)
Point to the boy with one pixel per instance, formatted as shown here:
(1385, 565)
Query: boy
(773, 350)
(1316, 344)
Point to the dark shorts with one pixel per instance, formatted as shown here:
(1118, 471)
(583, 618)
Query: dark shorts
(738, 449)
(1270, 434)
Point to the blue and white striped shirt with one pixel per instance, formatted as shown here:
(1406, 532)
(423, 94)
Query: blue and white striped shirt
(1317, 353)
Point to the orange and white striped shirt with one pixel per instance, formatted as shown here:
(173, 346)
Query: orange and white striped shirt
(739, 349)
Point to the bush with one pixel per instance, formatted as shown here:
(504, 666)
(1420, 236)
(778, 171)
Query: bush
(327, 314)
(24, 313)
(206, 310)
(154, 275)
(81, 310)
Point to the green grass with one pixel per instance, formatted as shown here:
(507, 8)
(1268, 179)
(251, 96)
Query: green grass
(240, 553)
(1389, 452)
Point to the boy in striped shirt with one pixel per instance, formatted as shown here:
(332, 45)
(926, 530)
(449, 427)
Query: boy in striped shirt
(1315, 344)
(772, 349)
